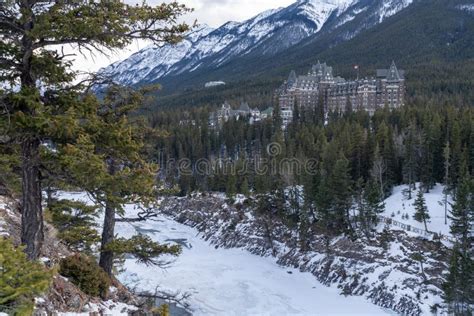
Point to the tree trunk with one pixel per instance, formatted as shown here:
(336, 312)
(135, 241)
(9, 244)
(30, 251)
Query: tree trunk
(106, 261)
(32, 235)
(107, 257)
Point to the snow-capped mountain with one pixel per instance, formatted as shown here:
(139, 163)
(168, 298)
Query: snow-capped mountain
(264, 35)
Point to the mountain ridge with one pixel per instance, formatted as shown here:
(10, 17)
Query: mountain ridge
(265, 34)
(431, 39)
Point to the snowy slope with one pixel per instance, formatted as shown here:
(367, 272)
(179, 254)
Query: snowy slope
(391, 7)
(264, 35)
(398, 204)
(156, 59)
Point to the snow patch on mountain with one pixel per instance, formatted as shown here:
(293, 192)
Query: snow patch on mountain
(466, 7)
(319, 11)
(389, 8)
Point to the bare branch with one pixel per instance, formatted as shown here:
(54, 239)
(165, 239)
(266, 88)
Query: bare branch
(181, 299)
(143, 215)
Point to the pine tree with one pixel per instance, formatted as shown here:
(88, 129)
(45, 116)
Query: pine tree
(446, 157)
(421, 210)
(10, 181)
(384, 139)
(459, 285)
(429, 145)
(231, 185)
(378, 171)
(456, 156)
(76, 223)
(244, 187)
(42, 101)
(462, 214)
(109, 166)
(411, 158)
(340, 192)
(277, 120)
(419, 257)
(386, 237)
(370, 206)
(20, 280)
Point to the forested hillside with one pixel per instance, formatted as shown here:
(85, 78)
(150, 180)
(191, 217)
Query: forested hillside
(414, 143)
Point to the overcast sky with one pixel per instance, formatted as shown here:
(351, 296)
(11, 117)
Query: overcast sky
(217, 12)
(211, 12)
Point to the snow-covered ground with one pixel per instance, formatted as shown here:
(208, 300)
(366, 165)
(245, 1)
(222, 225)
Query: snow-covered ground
(398, 205)
(105, 308)
(233, 281)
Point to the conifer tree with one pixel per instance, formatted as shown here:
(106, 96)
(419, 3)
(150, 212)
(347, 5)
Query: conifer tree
(462, 214)
(411, 158)
(119, 175)
(231, 185)
(421, 210)
(76, 223)
(446, 158)
(277, 120)
(10, 181)
(456, 156)
(323, 201)
(244, 187)
(459, 285)
(429, 148)
(41, 101)
(378, 171)
(20, 280)
(370, 206)
(419, 257)
(340, 192)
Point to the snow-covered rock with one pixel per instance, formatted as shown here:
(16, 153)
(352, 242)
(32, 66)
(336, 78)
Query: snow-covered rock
(104, 308)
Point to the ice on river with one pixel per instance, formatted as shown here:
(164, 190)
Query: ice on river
(233, 281)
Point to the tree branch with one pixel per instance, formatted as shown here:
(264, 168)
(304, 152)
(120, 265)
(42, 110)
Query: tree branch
(143, 215)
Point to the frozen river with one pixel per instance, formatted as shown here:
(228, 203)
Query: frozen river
(232, 281)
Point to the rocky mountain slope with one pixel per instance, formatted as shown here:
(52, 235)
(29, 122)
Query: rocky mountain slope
(265, 35)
